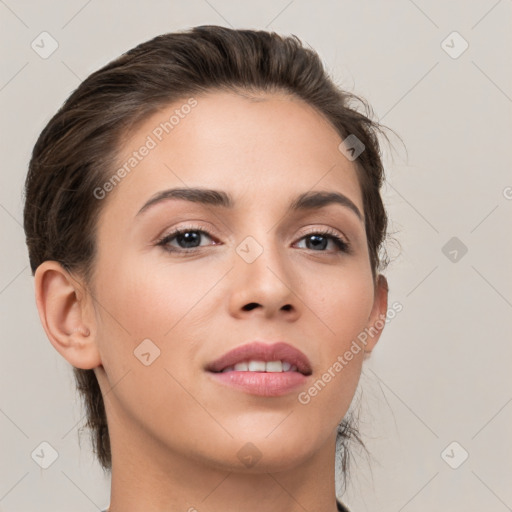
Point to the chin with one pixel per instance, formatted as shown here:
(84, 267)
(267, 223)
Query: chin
(260, 454)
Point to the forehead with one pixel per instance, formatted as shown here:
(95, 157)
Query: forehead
(270, 145)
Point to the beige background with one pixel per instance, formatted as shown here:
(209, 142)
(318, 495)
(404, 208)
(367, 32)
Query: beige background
(441, 371)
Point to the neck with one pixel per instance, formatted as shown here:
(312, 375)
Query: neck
(151, 477)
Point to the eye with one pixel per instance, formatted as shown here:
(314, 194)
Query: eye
(187, 239)
(319, 240)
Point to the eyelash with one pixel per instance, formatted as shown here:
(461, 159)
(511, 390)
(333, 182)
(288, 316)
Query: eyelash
(342, 245)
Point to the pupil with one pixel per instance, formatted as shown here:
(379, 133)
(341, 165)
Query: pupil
(316, 243)
(189, 239)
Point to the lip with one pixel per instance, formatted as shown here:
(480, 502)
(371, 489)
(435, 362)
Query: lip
(262, 383)
(259, 351)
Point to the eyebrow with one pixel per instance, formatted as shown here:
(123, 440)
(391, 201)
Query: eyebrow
(312, 200)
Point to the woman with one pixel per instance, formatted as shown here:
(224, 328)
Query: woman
(204, 220)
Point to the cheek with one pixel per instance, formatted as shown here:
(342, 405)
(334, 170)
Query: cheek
(344, 308)
(153, 300)
(342, 302)
(141, 304)
(328, 396)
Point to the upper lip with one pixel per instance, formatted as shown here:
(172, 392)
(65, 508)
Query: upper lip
(260, 351)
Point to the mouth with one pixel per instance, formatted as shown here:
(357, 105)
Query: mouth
(262, 366)
(262, 369)
(262, 357)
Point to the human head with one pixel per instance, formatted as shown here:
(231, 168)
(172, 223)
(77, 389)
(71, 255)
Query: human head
(82, 145)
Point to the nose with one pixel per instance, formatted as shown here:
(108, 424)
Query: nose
(265, 286)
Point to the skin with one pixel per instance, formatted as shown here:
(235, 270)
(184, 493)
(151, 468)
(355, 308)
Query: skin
(175, 433)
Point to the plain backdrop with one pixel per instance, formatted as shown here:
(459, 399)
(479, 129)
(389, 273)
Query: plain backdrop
(436, 394)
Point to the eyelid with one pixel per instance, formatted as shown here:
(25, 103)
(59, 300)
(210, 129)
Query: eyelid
(192, 226)
(326, 229)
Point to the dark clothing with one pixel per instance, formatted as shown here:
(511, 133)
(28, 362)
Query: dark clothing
(342, 507)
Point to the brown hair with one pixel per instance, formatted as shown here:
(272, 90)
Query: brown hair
(77, 150)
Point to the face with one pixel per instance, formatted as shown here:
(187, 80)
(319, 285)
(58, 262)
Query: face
(167, 306)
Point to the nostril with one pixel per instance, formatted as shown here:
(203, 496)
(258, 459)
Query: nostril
(251, 306)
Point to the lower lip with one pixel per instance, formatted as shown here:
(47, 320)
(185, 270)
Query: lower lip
(261, 383)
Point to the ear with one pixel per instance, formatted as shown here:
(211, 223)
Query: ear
(377, 319)
(66, 315)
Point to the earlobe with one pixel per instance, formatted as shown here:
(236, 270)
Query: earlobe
(377, 319)
(64, 315)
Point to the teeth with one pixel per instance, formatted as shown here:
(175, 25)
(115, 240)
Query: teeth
(262, 366)
(274, 366)
(257, 366)
(286, 366)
